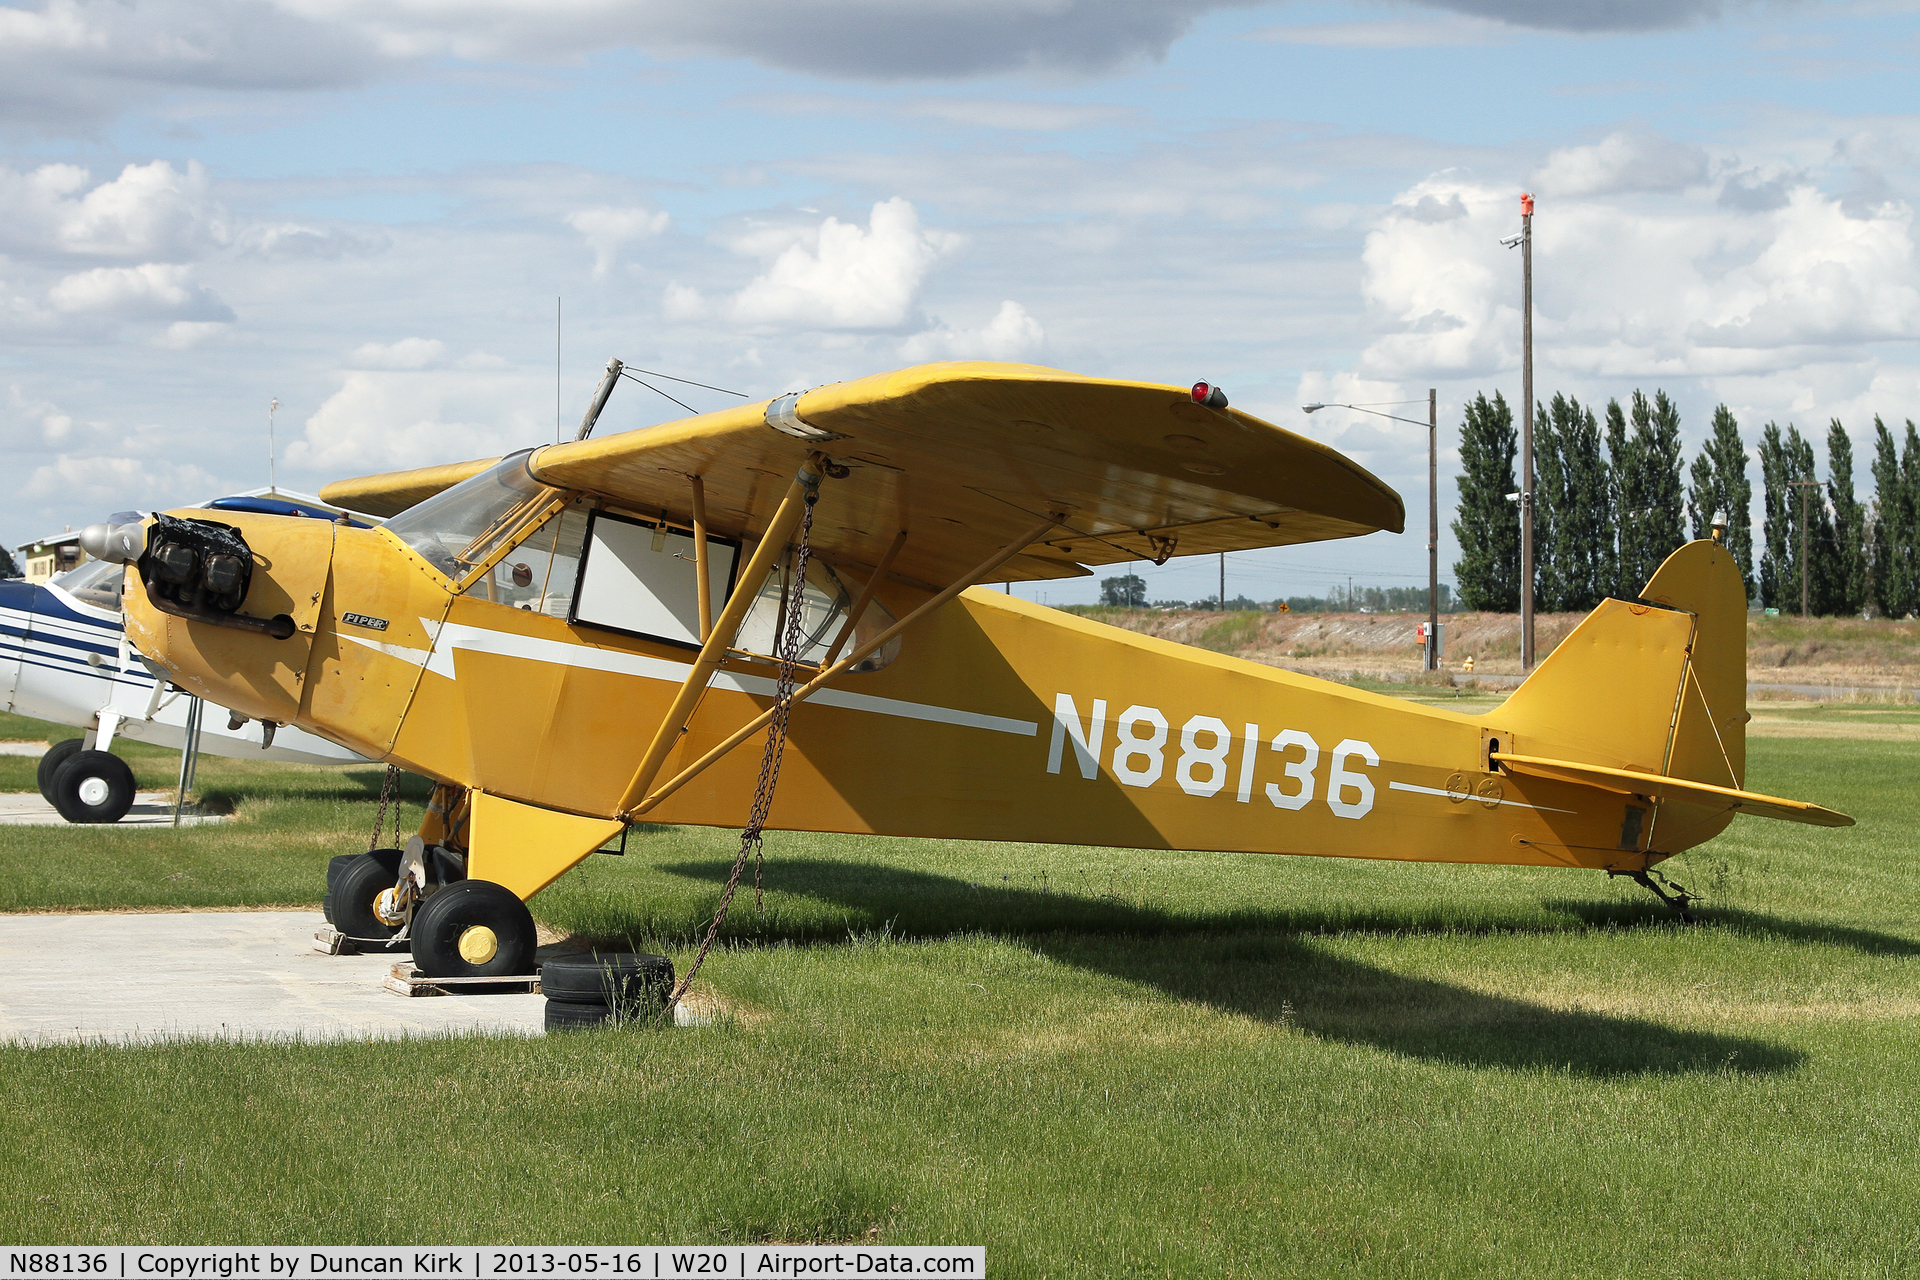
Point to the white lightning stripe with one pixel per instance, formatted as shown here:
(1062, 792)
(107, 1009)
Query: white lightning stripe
(1435, 791)
(453, 637)
(418, 657)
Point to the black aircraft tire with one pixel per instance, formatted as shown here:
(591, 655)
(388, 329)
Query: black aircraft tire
(473, 929)
(57, 754)
(569, 1015)
(349, 903)
(93, 786)
(627, 980)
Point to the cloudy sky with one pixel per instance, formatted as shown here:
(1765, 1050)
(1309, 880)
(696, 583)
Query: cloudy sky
(368, 209)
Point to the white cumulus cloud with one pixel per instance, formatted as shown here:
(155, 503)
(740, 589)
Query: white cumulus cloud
(117, 482)
(1676, 283)
(407, 353)
(153, 290)
(1011, 334)
(1622, 162)
(607, 230)
(150, 211)
(385, 420)
(837, 275)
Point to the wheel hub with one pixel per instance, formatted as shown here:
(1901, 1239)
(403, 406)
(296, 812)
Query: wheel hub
(388, 909)
(93, 791)
(478, 944)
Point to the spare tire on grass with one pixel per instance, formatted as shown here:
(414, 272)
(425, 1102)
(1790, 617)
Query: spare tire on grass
(626, 980)
(569, 1015)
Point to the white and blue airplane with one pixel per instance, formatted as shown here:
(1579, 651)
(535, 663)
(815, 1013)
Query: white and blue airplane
(64, 657)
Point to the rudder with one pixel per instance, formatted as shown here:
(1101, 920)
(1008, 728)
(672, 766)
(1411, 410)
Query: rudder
(1710, 735)
(1656, 685)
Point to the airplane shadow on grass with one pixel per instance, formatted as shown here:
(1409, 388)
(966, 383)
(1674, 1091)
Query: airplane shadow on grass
(1865, 941)
(1260, 965)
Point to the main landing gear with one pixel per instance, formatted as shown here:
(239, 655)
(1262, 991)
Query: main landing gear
(455, 927)
(473, 929)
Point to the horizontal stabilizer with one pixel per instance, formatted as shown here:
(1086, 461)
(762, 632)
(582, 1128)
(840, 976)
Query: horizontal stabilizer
(1660, 787)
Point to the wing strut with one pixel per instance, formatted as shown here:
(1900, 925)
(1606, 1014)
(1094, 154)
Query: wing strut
(704, 588)
(786, 518)
(630, 811)
(866, 597)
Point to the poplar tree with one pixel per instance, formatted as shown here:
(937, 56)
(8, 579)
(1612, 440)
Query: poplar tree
(1810, 505)
(1488, 526)
(1552, 508)
(1621, 475)
(1666, 497)
(1893, 529)
(1849, 568)
(1592, 488)
(1776, 562)
(1784, 461)
(1576, 556)
(1720, 485)
(1909, 489)
(1650, 496)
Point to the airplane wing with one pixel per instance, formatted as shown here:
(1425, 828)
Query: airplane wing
(1661, 787)
(966, 455)
(393, 492)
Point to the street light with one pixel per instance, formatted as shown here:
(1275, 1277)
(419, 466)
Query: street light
(1525, 242)
(1431, 655)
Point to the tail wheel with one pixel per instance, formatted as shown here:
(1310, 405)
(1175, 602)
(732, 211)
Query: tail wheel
(92, 786)
(473, 929)
(57, 754)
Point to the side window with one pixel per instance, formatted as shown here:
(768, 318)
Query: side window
(823, 605)
(641, 578)
(539, 574)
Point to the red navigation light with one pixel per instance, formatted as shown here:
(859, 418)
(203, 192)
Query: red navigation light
(1209, 395)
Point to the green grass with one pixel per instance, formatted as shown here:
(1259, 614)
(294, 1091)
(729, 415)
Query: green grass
(283, 822)
(1091, 1061)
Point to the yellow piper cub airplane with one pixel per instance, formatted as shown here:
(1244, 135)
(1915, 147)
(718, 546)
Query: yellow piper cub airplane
(574, 638)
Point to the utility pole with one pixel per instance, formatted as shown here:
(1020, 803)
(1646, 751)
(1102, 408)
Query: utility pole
(1433, 530)
(1803, 486)
(273, 483)
(1526, 432)
(1223, 582)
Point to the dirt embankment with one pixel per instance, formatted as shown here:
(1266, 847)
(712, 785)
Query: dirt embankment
(1843, 652)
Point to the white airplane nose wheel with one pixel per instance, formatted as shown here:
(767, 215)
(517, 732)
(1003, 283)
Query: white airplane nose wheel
(92, 786)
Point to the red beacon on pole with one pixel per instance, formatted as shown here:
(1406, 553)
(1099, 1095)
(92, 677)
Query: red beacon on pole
(1526, 204)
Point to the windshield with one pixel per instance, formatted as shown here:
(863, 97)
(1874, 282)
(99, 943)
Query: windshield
(97, 582)
(457, 528)
(539, 576)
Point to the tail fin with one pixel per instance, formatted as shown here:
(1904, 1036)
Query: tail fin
(1710, 734)
(1656, 685)
(1649, 698)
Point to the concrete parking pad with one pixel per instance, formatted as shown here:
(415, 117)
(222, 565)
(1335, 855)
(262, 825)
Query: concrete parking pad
(139, 977)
